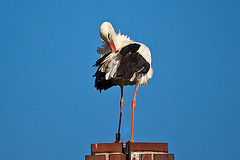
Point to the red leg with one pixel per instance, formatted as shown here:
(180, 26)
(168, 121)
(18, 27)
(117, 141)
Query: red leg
(120, 118)
(133, 108)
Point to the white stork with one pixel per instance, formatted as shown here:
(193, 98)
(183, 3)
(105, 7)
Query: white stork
(122, 62)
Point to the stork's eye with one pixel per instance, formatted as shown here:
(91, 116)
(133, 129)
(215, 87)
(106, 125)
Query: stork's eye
(109, 36)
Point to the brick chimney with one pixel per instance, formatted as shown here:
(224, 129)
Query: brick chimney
(129, 151)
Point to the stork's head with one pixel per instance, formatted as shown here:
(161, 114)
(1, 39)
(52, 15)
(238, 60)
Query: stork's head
(108, 34)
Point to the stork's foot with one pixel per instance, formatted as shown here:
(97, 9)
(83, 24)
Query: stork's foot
(117, 141)
(117, 138)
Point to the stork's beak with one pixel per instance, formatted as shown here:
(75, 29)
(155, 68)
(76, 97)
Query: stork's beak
(112, 46)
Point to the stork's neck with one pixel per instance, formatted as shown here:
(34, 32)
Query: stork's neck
(121, 41)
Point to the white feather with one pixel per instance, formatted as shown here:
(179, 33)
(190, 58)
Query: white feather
(113, 60)
(112, 66)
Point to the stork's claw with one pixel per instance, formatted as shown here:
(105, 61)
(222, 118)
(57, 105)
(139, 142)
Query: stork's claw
(116, 141)
(117, 138)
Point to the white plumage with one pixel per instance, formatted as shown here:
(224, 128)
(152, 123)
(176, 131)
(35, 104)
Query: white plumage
(122, 62)
(112, 61)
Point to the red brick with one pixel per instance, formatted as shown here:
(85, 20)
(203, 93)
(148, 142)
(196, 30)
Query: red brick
(153, 147)
(95, 157)
(147, 157)
(163, 157)
(117, 157)
(106, 148)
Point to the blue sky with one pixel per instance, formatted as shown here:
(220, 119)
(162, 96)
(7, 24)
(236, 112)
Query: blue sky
(49, 108)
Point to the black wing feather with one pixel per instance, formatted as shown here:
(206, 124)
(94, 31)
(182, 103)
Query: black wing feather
(100, 60)
(131, 62)
(100, 82)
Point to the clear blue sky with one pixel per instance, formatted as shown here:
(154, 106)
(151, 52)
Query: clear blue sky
(49, 109)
